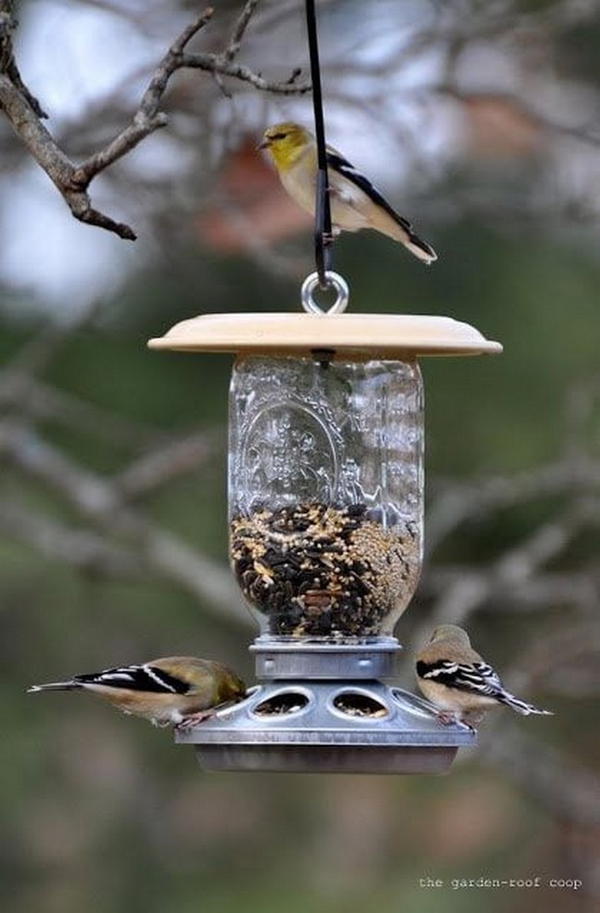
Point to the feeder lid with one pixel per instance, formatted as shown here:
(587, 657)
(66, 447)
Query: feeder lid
(386, 334)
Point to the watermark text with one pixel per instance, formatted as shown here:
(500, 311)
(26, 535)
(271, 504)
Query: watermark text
(533, 881)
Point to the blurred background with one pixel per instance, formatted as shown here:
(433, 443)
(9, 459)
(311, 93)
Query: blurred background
(480, 121)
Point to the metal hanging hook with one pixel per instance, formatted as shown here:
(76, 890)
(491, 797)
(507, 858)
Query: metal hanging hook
(333, 280)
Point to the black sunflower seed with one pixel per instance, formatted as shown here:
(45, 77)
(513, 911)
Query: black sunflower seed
(322, 571)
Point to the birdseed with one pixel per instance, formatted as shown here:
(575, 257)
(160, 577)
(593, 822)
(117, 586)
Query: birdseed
(360, 705)
(282, 704)
(322, 571)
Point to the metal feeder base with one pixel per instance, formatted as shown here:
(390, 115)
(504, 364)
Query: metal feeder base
(312, 726)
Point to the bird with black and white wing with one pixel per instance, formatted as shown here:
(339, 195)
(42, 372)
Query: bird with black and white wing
(458, 681)
(172, 690)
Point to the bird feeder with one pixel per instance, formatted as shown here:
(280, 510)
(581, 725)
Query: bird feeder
(326, 533)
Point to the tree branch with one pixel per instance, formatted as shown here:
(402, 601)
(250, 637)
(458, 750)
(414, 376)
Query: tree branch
(147, 118)
(571, 793)
(76, 547)
(116, 524)
(235, 42)
(73, 180)
(59, 168)
(214, 63)
(535, 117)
(160, 465)
(7, 61)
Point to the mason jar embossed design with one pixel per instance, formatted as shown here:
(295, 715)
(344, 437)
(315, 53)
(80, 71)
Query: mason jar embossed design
(326, 493)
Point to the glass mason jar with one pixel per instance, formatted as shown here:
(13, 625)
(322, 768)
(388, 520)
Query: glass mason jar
(326, 493)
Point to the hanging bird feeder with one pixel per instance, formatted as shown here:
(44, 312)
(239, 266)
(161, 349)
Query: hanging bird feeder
(326, 533)
(326, 521)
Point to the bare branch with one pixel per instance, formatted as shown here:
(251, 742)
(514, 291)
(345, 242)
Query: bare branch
(43, 402)
(534, 116)
(99, 502)
(215, 64)
(163, 464)
(24, 113)
(235, 42)
(7, 60)
(52, 159)
(21, 392)
(147, 118)
(78, 548)
(459, 503)
(470, 588)
(540, 591)
(572, 794)
(563, 661)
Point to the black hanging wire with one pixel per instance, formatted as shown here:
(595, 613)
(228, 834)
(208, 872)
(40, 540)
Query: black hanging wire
(323, 233)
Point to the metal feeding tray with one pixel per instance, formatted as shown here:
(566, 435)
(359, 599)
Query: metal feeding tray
(303, 721)
(336, 727)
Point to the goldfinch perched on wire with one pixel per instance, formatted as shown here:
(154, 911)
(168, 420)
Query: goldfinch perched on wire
(459, 682)
(355, 203)
(174, 690)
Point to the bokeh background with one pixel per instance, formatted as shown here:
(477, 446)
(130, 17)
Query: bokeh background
(480, 121)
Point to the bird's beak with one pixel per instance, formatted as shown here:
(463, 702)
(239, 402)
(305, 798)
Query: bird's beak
(264, 144)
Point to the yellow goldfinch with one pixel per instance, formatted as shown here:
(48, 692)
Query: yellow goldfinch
(355, 203)
(459, 682)
(179, 690)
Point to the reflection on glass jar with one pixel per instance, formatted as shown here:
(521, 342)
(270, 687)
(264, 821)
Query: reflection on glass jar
(326, 493)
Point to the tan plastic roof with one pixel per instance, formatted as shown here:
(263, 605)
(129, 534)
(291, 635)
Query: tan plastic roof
(383, 334)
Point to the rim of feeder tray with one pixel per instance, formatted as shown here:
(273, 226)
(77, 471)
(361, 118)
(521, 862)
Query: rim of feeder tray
(384, 334)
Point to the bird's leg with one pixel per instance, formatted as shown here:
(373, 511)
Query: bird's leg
(446, 717)
(194, 718)
(472, 719)
(330, 236)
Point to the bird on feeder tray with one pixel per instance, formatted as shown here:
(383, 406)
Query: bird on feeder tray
(355, 202)
(459, 682)
(173, 690)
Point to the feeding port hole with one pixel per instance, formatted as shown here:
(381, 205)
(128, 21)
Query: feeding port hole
(353, 703)
(282, 704)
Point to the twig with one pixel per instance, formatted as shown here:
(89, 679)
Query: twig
(7, 60)
(101, 504)
(73, 181)
(163, 464)
(37, 400)
(518, 104)
(570, 793)
(538, 592)
(21, 392)
(52, 159)
(147, 118)
(77, 548)
(235, 41)
(473, 587)
(460, 503)
(215, 64)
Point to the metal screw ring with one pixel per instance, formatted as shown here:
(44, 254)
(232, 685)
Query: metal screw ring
(333, 279)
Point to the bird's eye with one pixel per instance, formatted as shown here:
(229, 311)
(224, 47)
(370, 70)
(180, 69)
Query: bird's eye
(279, 136)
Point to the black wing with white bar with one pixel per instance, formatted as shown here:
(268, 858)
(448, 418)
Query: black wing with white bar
(136, 678)
(478, 678)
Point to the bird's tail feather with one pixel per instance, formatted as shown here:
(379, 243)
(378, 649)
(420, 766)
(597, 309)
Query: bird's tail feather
(54, 686)
(521, 706)
(398, 228)
(419, 248)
